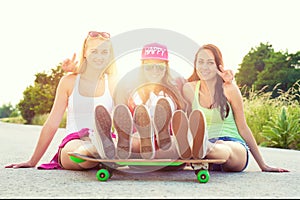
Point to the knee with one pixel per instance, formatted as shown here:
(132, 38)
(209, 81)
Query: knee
(219, 149)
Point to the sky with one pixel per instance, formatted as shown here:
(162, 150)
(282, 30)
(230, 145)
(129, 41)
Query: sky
(36, 35)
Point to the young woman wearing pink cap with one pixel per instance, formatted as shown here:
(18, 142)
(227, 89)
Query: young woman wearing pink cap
(145, 100)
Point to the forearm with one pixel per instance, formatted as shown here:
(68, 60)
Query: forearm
(44, 140)
(252, 144)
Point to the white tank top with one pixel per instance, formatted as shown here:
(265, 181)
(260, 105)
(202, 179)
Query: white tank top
(81, 109)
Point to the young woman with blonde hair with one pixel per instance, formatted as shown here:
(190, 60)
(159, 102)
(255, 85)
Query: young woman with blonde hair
(86, 95)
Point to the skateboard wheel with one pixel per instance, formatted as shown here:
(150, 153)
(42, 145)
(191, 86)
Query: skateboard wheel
(76, 160)
(203, 176)
(103, 175)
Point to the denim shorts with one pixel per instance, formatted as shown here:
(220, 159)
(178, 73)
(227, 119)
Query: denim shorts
(219, 167)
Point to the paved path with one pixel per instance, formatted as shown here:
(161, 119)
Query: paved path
(18, 142)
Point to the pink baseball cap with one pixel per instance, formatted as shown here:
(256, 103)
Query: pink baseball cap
(155, 51)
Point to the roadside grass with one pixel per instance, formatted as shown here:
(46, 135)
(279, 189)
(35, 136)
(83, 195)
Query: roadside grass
(275, 122)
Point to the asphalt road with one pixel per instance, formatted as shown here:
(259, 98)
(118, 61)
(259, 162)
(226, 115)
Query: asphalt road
(18, 142)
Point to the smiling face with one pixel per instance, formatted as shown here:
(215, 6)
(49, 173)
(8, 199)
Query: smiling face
(206, 65)
(154, 70)
(98, 54)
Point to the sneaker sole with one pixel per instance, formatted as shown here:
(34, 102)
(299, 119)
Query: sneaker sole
(180, 130)
(123, 124)
(197, 127)
(142, 123)
(103, 121)
(162, 118)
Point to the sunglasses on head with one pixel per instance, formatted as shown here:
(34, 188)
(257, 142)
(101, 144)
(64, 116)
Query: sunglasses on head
(95, 34)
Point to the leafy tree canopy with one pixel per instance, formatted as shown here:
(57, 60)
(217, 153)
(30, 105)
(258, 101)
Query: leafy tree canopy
(264, 68)
(39, 97)
(6, 110)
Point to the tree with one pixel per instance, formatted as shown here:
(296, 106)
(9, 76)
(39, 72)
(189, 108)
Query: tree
(279, 72)
(6, 110)
(253, 63)
(262, 67)
(39, 98)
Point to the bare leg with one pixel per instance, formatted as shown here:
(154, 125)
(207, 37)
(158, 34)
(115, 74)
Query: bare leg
(233, 152)
(77, 146)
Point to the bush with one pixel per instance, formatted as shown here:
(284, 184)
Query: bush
(274, 119)
(282, 131)
(38, 98)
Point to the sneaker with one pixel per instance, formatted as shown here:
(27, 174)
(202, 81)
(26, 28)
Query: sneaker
(101, 138)
(123, 124)
(180, 130)
(197, 125)
(142, 123)
(162, 118)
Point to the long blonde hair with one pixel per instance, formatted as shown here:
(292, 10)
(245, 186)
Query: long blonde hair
(167, 85)
(111, 68)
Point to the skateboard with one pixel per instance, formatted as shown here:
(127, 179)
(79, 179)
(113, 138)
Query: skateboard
(200, 166)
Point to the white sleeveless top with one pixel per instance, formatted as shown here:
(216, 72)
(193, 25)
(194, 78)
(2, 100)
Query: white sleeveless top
(81, 109)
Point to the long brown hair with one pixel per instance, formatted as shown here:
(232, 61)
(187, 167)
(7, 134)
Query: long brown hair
(220, 99)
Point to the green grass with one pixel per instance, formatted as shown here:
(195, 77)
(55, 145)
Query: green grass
(265, 115)
(16, 120)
